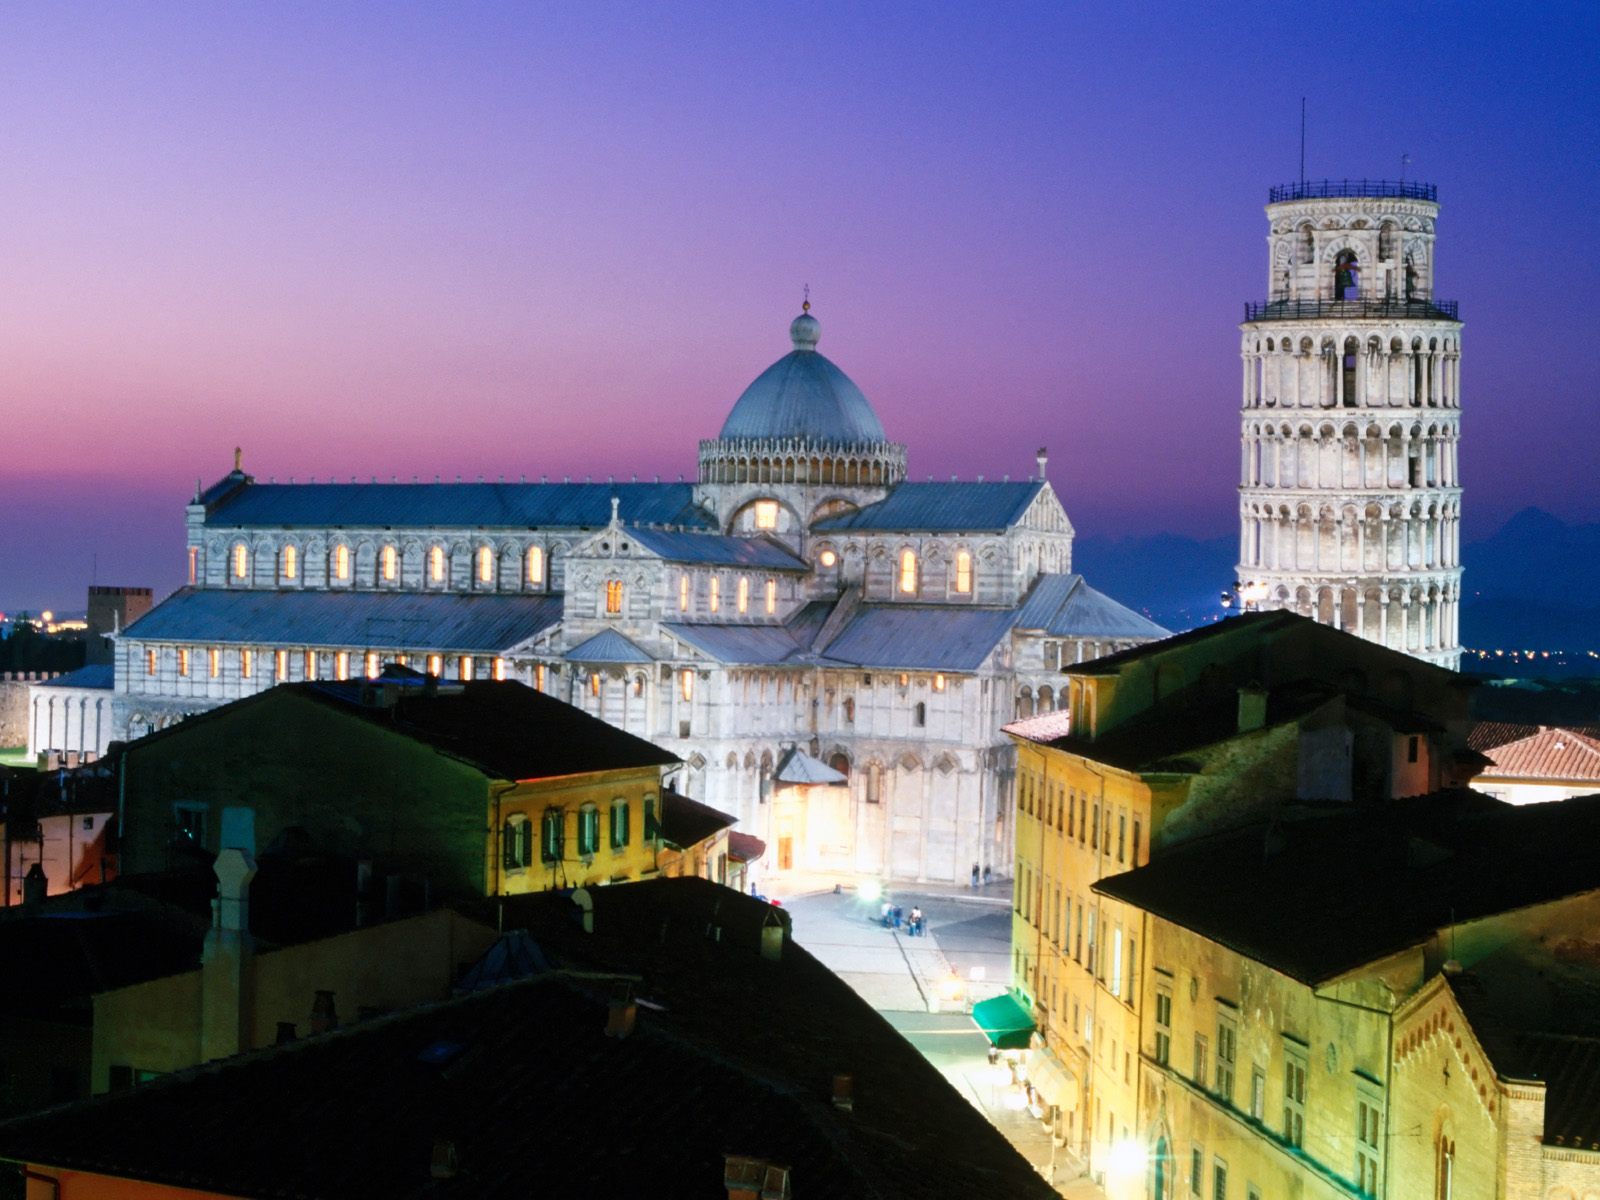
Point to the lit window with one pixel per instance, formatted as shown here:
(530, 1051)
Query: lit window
(638, 685)
(938, 683)
(247, 662)
(436, 664)
(436, 564)
(485, 565)
(341, 665)
(963, 572)
(194, 564)
(464, 669)
(214, 661)
(538, 676)
(341, 562)
(686, 683)
(535, 564)
(594, 683)
(772, 596)
(744, 593)
(311, 664)
(149, 662)
(908, 572)
(827, 558)
(613, 596)
(280, 665)
(716, 592)
(372, 664)
(291, 563)
(391, 563)
(402, 660)
(766, 514)
(683, 593)
(500, 669)
(241, 561)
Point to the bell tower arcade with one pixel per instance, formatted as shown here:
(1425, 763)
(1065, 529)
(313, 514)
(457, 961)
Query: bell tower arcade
(1350, 499)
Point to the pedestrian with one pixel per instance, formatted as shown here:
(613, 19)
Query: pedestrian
(884, 913)
(916, 921)
(899, 916)
(986, 876)
(974, 874)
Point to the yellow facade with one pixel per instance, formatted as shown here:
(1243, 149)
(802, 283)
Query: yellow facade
(576, 831)
(1077, 955)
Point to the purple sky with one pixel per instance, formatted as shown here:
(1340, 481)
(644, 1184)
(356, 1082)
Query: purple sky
(505, 239)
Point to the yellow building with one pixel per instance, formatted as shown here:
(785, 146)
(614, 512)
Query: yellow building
(1339, 1004)
(1163, 743)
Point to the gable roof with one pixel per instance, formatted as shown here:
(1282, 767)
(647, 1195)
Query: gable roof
(442, 621)
(95, 675)
(1066, 606)
(732, 1054)
(716, 549)
(247, 504)
(941, 507)
(1353, 883)
(925, 637)
(607, 646)
(686, 822)
(1550, 752)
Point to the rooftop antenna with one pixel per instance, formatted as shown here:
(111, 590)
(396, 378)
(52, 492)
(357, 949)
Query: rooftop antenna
(1302, 140)
(805, 302)
(1405, 163)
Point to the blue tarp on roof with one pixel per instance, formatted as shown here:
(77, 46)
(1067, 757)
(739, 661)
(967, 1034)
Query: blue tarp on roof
(474, 505)
(718, 549)
(921, 637)
(1066, 606)
(607, 646)
(100, 675)
(380, 620)
(944, 507)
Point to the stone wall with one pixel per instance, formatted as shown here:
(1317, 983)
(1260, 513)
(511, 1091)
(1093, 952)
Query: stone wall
(14, 705)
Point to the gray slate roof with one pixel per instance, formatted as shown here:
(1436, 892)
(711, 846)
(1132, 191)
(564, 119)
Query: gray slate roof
(436, 621)
(921, 637)
(947, 507)
(803, 395)
(96, 675)
(607, 646)
(717, 549)
(472, 505)
(1066, 606)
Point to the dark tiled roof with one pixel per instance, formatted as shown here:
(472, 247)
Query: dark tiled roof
(1066, 606)
(245, 503)
(686, 822)
(1570, 1067)
(1351, 883)
(732, 1054)
(95, 675)
(1112, 663)
(944, 507)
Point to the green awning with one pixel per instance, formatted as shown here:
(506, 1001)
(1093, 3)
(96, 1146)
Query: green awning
(1004, 1021)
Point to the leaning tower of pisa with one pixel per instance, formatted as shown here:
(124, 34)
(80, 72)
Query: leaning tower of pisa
(1350, 501)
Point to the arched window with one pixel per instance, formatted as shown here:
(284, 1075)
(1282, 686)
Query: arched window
(536, 565)
(552, 835)
(1346, 276)
(619, 823)
(390, 558)
(291, 562)
(517, 843)
(341, 562)
(683, 592)
(588, 831)
(772, 596)
(241, 561)
(485, 564)
(715, 599)
(613, 596)
(919, 714)
(1308, 243)
(436, 564)
(908, 573)
(841, 764)
(744, 593)
(963, 572)
(686, 683)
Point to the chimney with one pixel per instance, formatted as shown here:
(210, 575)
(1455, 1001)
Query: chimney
(324, 1016)
(225, 959)
(1252, 707)
(35, 886)
(1043, 457)
(620, 1017)
(844, 1092)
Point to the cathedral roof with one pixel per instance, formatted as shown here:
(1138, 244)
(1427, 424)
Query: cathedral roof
(1066, 606)
(717, 549)
(607, 646)
(477, 505)
(953, 507)
(440, 621)
(803, 395)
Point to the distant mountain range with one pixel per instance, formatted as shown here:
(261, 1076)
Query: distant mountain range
(1533, 585)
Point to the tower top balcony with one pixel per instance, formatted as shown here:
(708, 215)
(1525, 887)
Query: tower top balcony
(1353, 189)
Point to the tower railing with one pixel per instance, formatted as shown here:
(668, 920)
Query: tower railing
(1377, 306)
(1352, 189)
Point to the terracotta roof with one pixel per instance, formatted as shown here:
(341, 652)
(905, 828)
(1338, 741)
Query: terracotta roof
(1043, 728)
(730, 1054)
(1551, 752)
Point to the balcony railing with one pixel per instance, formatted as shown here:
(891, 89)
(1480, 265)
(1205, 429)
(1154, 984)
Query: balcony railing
(1378, 306)
(1356, 189)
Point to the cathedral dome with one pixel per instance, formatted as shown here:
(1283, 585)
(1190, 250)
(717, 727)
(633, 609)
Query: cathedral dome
(803, 396)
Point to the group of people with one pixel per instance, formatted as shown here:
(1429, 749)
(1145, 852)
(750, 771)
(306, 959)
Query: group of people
(986, 876)
(894, 917)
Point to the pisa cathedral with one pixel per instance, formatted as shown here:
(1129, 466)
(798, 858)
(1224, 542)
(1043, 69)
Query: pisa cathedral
(1350, 496)
(829, 648)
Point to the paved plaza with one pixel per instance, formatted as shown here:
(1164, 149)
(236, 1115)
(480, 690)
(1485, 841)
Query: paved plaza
(925, 986)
